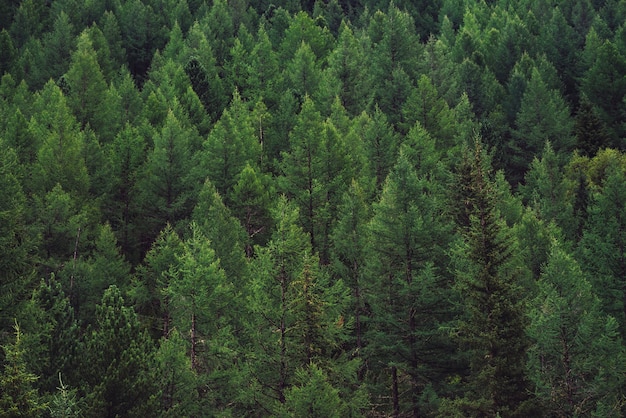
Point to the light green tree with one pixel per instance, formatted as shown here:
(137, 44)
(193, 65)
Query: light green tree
(576, 357)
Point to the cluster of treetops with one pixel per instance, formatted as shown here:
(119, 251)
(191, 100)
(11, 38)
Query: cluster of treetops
(324, 209)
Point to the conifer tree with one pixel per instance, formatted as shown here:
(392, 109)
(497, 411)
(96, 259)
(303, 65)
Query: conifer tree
(14, 240)
(406, 287)
(543, 116)
(546, 191)
(602, 249)
(252, 198)
(53, 340)
(125, 157)
(117, 362)
(87, 86)
(576, 361)
(381, 144)
(165, 180)
(60, 158)
(18, 397)
(232, 143)
(491, 331)
(347, 64)
(152, 276)
(213, 218)
(349, 243)
(298, 315)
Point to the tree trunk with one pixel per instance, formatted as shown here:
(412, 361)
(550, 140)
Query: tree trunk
(193, 341)
(394, 392)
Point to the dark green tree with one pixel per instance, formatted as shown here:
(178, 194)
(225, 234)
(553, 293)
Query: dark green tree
(492, 329)
(543, 116)
(167, 190)
(125, 157)
(179, 384)
(406, 285)
(347, 63)
(8, 54)
(425, 106)
(604, 85)
(349, 244)
(151, 277)
(58, 46)
(201, 299)
(15, 278)
(252, 199)
(298, 316)
(214, 220)
(54, 335)
(590, 131)
(546, 191)
(381, 144)
(117, 362)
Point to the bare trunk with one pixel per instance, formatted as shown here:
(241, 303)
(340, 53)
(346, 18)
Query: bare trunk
(394, 392)
(193, 342)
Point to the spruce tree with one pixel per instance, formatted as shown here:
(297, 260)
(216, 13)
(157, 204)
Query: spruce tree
(492, 329)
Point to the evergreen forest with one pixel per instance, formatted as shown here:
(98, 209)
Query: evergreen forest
(313, 208)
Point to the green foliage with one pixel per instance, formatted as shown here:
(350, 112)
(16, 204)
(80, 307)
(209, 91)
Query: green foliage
(116, 362)
(232, 143)
(144, 144)
(405, 288)
(602, 242)
(575, 362)
(18, 397)
(491, 330)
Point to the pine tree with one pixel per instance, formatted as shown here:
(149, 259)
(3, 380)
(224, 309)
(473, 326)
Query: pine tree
(167, 188)
(347, 64)
(381, 144)
(349, 243)
(252, 198)
(18, 398)
(426, 107)
(492, 329)
(125, 156)
(14, 239)
(117, 362)
(232, 143)
(576, 358)
(87, 87)
(213, 218)
(543, 116)
(179, 384)
(591, 132)
(405, 285)
(54, 334)
(602, 247)
(152, 276)
(546, 191)
(61, 157)
(298, 315)
(202, 302)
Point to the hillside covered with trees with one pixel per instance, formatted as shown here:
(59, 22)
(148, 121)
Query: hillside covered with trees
(330, 208)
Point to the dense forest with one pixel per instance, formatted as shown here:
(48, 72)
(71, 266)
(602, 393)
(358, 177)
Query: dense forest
(330, 208)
